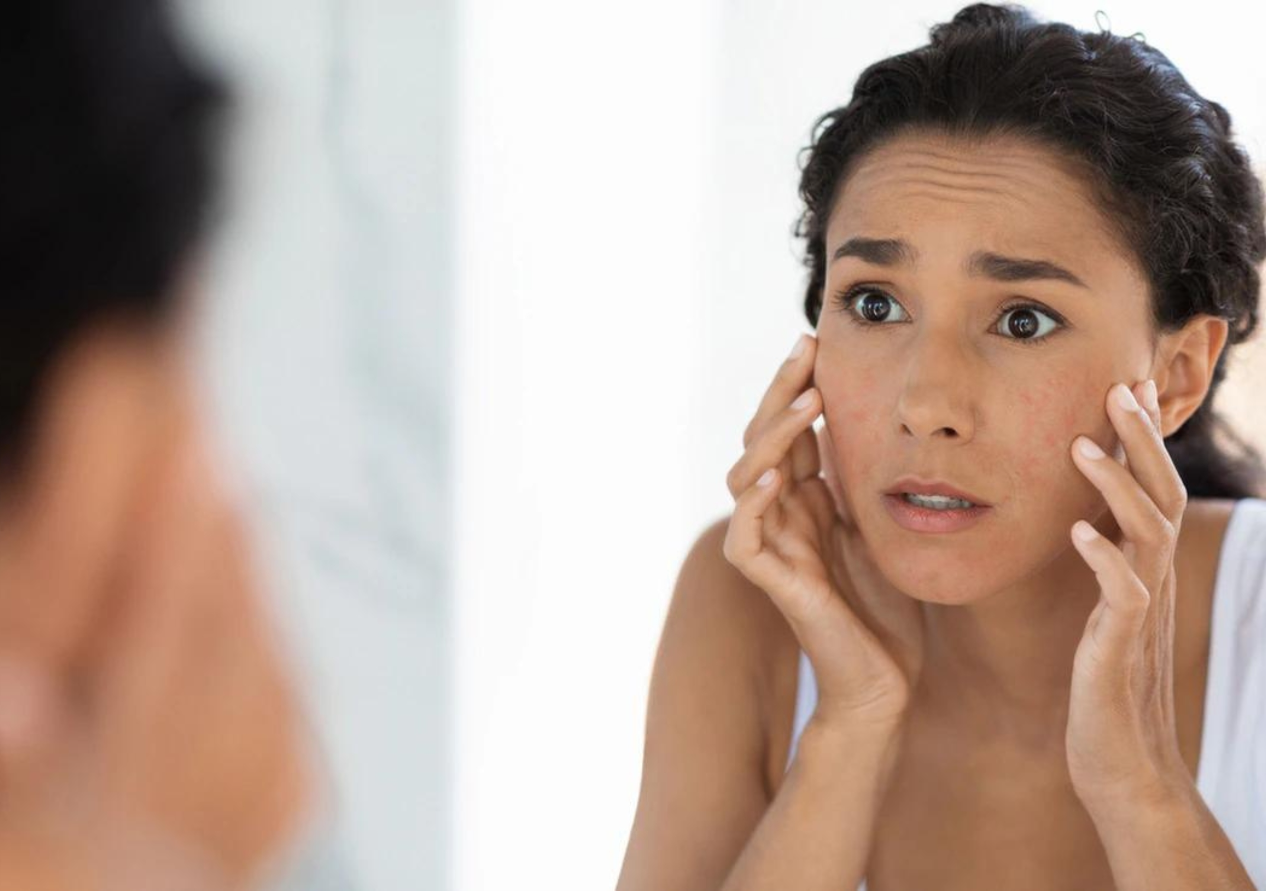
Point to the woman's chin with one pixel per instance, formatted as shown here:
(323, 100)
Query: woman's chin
(939, 578)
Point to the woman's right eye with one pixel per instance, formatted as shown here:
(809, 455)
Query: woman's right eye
(866, 305)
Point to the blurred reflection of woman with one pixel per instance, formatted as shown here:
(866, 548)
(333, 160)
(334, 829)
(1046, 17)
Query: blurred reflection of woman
(149, 737)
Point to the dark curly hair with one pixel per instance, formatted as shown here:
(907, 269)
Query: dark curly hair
(1158, 158)
(107, 170)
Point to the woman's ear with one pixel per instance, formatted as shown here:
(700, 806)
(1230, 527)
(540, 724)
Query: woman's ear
(106, 407)
(1183, 379)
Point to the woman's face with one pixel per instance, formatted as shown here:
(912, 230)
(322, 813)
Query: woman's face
(942, 386)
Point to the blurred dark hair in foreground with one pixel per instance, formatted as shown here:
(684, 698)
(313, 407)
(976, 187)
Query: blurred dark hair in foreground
(107, 171)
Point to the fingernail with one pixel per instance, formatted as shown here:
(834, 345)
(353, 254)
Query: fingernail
(1088, 448)
(1149, 396)
(1126, 399)
(798, 350)
(803, 400)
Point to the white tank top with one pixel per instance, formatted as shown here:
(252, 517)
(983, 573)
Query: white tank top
(1231, 772)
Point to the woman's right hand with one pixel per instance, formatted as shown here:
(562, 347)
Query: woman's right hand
(794, 538)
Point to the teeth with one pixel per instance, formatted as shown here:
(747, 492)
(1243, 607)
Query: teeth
(936, 502)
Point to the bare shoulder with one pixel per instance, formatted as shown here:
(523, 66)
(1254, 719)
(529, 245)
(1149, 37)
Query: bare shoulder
(732, 636)
(1203, 527)
(704, 771)
(1196, 559)
(1210, 509)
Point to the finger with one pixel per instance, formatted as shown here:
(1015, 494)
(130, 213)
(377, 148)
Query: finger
(1114, 632)
(1163, 602)
(803, 460)
(1139, 430)
(805, 463)
(1165, 650)
(745, 537)
(770, 447)
(1148, 536)
(792, 377)
(797, 534)
(1147, 398)
(817, 500)
(794, 455)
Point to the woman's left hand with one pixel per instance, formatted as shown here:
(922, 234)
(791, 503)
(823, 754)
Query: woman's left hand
(1122, 741)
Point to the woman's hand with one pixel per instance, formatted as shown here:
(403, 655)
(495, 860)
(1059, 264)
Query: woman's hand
(791, 535)
(1122, 741)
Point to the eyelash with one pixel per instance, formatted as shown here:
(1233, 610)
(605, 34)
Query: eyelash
(844, 301)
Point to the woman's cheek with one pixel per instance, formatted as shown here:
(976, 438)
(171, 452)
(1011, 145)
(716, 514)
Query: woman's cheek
(852, 425)
(1050, 415)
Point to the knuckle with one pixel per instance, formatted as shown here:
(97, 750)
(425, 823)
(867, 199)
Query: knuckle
(1178, 502)
(1163, 533)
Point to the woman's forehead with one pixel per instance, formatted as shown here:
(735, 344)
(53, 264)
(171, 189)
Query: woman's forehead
(946, 199)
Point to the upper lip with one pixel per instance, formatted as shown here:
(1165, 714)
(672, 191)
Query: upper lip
(918, 486)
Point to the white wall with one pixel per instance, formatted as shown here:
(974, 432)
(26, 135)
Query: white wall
(582, 267)
(329, 353)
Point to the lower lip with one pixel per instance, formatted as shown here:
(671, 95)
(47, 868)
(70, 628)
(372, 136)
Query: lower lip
(924, 519)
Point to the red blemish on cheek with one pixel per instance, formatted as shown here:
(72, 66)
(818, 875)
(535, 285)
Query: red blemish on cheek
(1048, 415)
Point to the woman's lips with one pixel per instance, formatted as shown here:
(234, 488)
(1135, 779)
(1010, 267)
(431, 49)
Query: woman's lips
(925, 519)
(922, 486)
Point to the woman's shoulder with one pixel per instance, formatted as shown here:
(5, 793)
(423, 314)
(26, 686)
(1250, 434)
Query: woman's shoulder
(744, 613)
(1205, 523)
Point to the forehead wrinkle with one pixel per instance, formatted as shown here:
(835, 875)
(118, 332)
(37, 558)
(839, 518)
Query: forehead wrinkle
(974, 190)
(994, 174)
(1008, 160)
(1024, 193)
(1020, 185)
(1030, 164)
(1008, 200)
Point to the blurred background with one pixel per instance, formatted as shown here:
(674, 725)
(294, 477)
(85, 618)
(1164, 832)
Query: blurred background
(531, 268)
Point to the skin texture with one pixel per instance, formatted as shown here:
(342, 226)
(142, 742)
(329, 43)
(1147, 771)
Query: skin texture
(942, 388)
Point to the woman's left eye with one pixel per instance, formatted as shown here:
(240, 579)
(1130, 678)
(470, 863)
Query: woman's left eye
(1022, 320)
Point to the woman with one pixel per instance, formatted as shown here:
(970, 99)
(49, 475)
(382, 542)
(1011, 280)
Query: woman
(1021, 238)
(149, 737)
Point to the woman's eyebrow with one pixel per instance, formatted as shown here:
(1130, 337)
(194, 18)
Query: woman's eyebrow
(896, 252)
